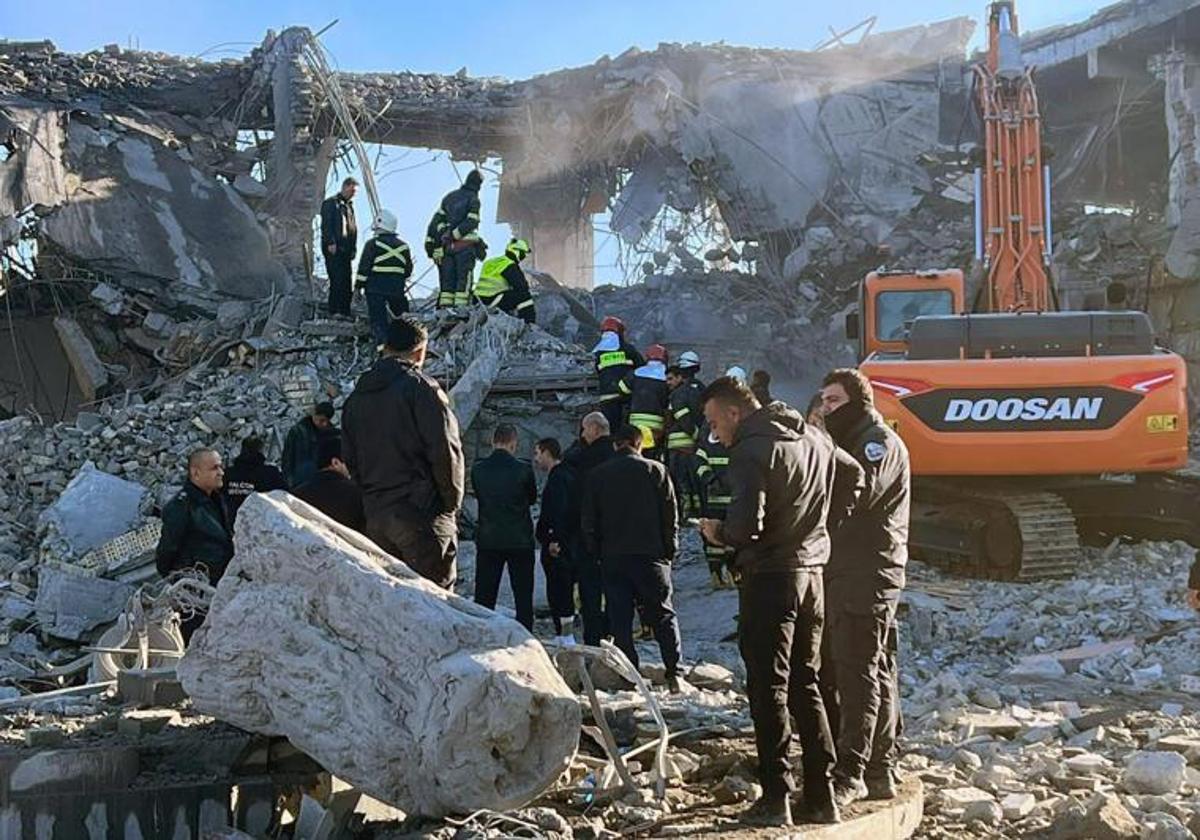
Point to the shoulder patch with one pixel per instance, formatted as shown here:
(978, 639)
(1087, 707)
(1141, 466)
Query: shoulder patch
(874, 450)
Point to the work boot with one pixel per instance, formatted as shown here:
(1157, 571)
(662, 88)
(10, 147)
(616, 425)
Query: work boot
(768, 812)
(817, 812)
(846, 791)
(673, 684)
(881, 785)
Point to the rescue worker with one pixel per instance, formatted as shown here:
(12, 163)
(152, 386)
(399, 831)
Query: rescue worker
(453, 242)
(683, 431)
(614, 359)
(401, 444)
(502, 283)
(712, 478)
(250, 473)
(646, 388)
(863, 584)
(339, 239)
(383, 272)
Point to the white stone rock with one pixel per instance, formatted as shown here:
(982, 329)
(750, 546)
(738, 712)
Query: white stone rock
(986, 812)
(961, 797)
(1018, 805)
(420, 698)
(1154, 772)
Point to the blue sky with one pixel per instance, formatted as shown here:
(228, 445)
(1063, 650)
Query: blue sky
(514, 39)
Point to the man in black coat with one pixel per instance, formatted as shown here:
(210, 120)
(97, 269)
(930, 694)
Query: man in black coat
(786, 483)
(506, 489)
(453, 242)
(339, 240)
(250, 473)
(302, 441)
(401, 443)
(196, 527)
(593, 448)
(331, 491)
(557, 526)
(863, 585)
(631, 523)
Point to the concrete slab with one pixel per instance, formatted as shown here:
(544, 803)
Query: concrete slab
(892, 820)
(90, 373)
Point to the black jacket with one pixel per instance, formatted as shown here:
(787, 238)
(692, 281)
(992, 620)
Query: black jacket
(300, 448)
(614, 365)
(385, 255)
(629, 509)
(195, 530)
(457, 218)
(712, 470)
(338, 226)
(335, 496)
(686, 415)
(249, 473)
(400, 441)
(559, 518)
(787, 482)
(505, 488)
(870, 549)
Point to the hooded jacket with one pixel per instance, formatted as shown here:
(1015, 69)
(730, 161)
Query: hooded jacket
(249, 473)
(789, 485)
(401, 442)
(870, 550)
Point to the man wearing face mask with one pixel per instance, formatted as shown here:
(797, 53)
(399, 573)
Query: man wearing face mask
(863, 583)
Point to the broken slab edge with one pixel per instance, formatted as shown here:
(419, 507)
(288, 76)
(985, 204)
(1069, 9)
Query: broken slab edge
(895, 819)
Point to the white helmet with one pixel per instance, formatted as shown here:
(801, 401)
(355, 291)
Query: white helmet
(386, 220)
(688, 360)
(737, 372)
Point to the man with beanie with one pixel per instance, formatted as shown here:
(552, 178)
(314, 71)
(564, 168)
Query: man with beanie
(863, 584)
(453, 242)
(401, 444)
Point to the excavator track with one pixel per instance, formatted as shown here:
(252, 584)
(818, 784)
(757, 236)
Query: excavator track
(993, 532)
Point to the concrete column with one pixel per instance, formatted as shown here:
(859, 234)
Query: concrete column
(563, 248)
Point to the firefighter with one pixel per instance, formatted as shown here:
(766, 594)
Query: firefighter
(453, 242)
(614, 360)
(712, 459)
(683, 430)
(502, 283)
(383, 270)
(646, 388)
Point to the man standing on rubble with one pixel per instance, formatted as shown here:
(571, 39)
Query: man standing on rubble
(453, 242)
(506, 489)
(648, 393)
(401, 444)
(630, 522)
(863, 585)
(383, 271)
(683, 430)
(786, 482)
(250, 473)
(302, 442)
(557, 525)
(594, 448)
(196, 527)
(615, 358)
(339, 240)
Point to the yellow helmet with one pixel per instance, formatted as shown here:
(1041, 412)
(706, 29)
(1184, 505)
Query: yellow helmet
(518, 249)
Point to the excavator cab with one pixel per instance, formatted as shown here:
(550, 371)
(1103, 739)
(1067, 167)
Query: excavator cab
(890, 301)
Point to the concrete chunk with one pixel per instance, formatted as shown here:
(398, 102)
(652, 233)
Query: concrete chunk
(71, 602)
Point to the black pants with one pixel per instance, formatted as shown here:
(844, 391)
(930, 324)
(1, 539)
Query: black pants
(489, 568)
(560, 584)
(649, 581)
(781, 618)
(511, 302)
(385, 300)
(588, 576)
(682, 464)
(337, 266)
(454, 277)
(614, 412)
(863, 646)
(428, 545)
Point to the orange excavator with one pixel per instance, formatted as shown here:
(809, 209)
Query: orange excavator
(1027, 426)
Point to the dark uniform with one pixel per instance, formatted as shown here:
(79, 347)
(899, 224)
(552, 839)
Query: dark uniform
(583, 459)
(502, 285)
(335, 496)
(383, 271)
(339, 229)
(452, 241)
(195, 534)
(401, 443)
(786, 483)
(558, 522)
(686, 413)
(712, 476)
(863, 582)
(505, 488)
(648, 393)
(300, 446)
(615, 359)
(629, 522)
(249, 473)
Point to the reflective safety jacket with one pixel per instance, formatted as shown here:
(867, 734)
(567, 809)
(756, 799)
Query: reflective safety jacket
(614, 360)
(500, 275)
(384, 255)
(686, 414)
(648, 394)
(456, 221)
(713, 472)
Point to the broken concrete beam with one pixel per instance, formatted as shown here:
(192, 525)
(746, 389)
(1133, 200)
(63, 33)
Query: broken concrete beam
(90, 373)
(420, 698)
(496, 337)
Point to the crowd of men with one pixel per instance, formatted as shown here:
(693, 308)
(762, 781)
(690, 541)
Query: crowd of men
(807, 515)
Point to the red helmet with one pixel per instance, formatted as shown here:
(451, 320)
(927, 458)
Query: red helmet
(611, 323)
(656, 353)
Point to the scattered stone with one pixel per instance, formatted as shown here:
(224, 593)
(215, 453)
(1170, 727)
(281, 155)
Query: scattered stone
(1154, 772)
(986, 812)
(44, 737)
(1017, 806)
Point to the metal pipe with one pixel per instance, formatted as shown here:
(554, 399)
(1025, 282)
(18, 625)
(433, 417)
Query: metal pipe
(978, 214)
(1048, 222)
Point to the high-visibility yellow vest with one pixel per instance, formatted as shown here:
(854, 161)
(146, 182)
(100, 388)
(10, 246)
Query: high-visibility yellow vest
(491, 277)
